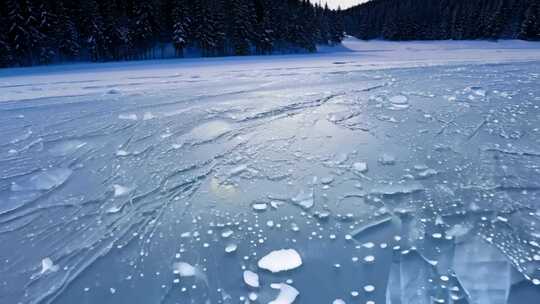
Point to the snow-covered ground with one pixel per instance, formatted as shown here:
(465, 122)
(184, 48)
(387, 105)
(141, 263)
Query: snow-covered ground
(373, 172)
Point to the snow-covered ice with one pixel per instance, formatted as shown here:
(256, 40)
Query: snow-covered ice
(394, 172)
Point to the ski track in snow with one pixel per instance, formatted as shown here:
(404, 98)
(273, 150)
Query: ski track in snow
(380, 165)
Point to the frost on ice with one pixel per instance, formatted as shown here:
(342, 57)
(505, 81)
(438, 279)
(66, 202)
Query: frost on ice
(280, 260)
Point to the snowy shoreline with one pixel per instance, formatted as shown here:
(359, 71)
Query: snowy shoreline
(82, 79)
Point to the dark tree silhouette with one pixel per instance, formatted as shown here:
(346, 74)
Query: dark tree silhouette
(44, 31)
(444, 19)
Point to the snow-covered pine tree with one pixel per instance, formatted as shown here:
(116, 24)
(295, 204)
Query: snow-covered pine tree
(263, 32)
(208, 29)
(241, 26)
(6, 58)
(337, 30)
(92, 29)
(143, 27)
(46, 27)
(530, 28)
(42, 31)
(67, 34)
(18, 35)
(180, 20)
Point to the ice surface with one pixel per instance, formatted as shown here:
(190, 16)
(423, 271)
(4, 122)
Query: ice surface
(45, 180)
(280, 260)
(411, 167)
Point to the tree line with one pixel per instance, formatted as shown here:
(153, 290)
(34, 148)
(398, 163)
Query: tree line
(44, 31)
(444, 19)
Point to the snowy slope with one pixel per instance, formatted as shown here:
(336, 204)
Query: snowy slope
(377, 172)
(88, 79)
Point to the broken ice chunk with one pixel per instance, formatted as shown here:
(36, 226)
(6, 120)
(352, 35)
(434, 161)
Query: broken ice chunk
(148, 116)
(327, 180)
(114, 209)
(304, 199)
(338, 301)
(287, 294)
(253, 296)
(369, 259)
(251, 278)
(396, 189)
(120, 190)
(369, 288)
(399, 102)
(44, 180)
(127, 116)
(427, 173)
(280, 260)
(231, 248)
(227, 233)
(122, 153)
(184, 269)
(360, 167)
(398, 99)
(387, 159)
(486, 260)
(47, 265)
(67, 147)
(259, 206)
(238, 170)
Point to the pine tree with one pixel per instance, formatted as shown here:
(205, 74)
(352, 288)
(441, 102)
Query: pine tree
(180, 21)
(6, 57)
(530, 28)
(265, 29)
(17, 33)
(208, 30)
(441, 19)
(92, 26)
(144, 26)
(67, 35)
(44, 37)
(45, 31)
(337, 27)
(241, 28)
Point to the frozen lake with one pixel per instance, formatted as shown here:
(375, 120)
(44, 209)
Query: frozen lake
(373, 173)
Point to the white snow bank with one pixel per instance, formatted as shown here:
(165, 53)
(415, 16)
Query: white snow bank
(154, 76)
